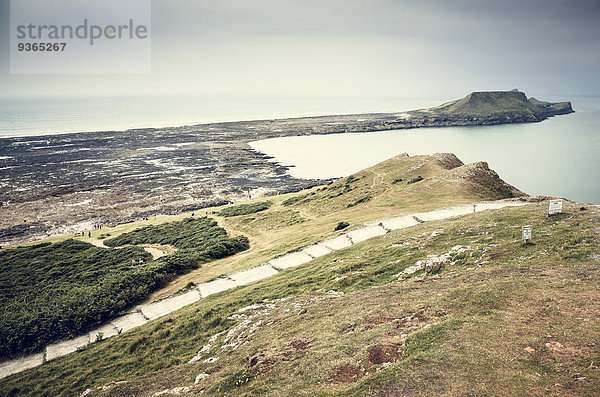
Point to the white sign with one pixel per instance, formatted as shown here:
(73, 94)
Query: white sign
(527, 232)
(554, 207)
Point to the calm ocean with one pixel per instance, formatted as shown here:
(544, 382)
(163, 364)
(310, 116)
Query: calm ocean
(560, 156)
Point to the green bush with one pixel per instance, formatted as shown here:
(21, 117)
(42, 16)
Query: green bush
(360, 201)
(197, 233)
(414, 180)
(341, 226)
(245, 209)
(293, 200)
(54, 291)
(351, 179)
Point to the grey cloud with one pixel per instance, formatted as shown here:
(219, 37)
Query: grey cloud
(359, 47)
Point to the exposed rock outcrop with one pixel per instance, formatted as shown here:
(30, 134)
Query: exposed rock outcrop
(480, 177)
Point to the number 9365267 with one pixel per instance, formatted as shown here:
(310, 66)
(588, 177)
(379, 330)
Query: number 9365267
(54, 47)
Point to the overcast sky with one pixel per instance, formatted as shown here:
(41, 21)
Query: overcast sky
(349, 48)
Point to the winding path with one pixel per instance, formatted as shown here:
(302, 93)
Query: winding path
(156, 251)
(145, 313)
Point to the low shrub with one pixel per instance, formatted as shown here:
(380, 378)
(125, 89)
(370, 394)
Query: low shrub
(245, 209)
(341, 226)
(293, 200)
(197, 233)
(360, 201)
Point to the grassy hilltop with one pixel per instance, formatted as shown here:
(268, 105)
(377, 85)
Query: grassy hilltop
(490, 104)
(499, 318)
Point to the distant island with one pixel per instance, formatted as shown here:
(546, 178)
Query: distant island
(493, 107)
(68, 183)
(476, 109)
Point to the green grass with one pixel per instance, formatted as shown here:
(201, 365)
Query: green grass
(422, 342)
(470, 299)
(499, 291)
(237, 380)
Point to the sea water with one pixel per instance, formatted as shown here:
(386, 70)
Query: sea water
(559, 156)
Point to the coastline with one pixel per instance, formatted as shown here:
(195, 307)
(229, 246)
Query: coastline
(123, 176)
(109, 116)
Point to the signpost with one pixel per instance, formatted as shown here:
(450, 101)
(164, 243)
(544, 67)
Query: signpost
(554, 207)
(527, 233)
